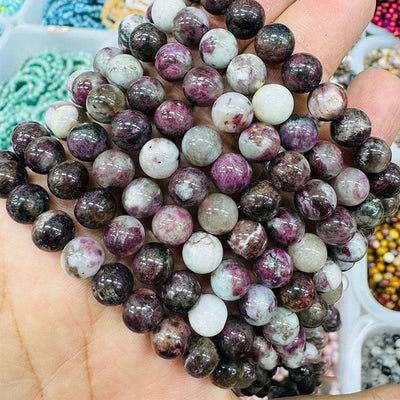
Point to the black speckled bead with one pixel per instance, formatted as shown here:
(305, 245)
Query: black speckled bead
(373, 156)
(249, 375)
(6, 155)
(26, 202)
(387, 182)
(332, 322)
(12, 174)
(216, 7)
(227, 373)
(112, 284)
(315, 315)
(390, 205)
(285, 388)
(369, 213)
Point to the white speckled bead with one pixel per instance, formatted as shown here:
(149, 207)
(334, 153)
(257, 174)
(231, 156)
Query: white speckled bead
(82, 257)
(208, 316)
(123, 69)
(354, 250)
(163, 13)
(232, 112)
(273, 104)
(202, 253)
(218, 47)
(126, 27)
(308, 254)
(328, 278)
(159, 158)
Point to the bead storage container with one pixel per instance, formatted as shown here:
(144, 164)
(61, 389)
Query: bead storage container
(13, 19)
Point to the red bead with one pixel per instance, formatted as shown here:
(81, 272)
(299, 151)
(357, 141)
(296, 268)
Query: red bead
(390, 28)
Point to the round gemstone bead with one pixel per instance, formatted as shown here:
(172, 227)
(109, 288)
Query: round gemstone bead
(273, 104)
(308, 254)
(12, 174)
(315, 315)
(274, 43)
(301, 73)
(52, 230)
(352, 129)
(231, 280)
(126, 27)
(112, 284)
(208, 316)
(386, 183)
(390, 205)
(83, 84)
(373, 156)
(26, 202)
(159, 158)
(124, 236)
(216, 7)
(249, 376)
(202, 253)
(143, 311)
(104, 55)
(82, 257)
(354, 250)
(146, 94)
(333, 296)
(369, 213)
(328, 278)
(217, 214)
(163, 13)
(6, 155)
(263, 353)
(332, 322)
(122, 70)
(228, 373)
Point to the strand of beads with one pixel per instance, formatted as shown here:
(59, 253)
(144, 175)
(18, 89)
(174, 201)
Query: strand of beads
(10, 7)
(387, 15)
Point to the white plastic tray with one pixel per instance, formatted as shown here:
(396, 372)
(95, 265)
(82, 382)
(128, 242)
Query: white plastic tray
(14, 19)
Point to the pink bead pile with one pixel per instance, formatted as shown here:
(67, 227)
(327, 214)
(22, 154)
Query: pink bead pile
(387, 15)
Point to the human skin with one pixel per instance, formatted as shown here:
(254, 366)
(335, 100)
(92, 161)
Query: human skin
(58, 342)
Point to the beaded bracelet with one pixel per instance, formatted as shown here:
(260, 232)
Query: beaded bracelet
(10, 7)
(286, 304)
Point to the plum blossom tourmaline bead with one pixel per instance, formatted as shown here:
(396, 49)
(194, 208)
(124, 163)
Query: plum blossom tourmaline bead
(338, 228)
(327, 102)
(232, 112)
(153, 264)
(332, 322)
(248, 239)
(373, 156)
(130, 130)
(126, 27)
(52, 230)
(12, 174)
(369, 213)
(315, 315)
(163, 13)
(263, 353)
(333, 296)
(203, 85)
(172, 225)
(274, 268)
(146, 94)
(6, 155)
(122, 70)
(259, 142)
(301, 73)
(218, 47)
(386, 183)
(390, 204)
(325, 159)
(231, 280)
(217, 214)
(208, 316)
(83, 84)
(328, 278)
(308, 254)
(124, 236)
(142, 198)
(82, 257)
(249, 375)
(258, 305)
(354, 250)
(228, 373)
(286, 227)
(216, 7)
(159, 158)
(143, 311)
(102, 57)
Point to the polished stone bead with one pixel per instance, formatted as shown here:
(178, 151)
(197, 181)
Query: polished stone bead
(83, 84)
(286, 227)
(203, 85)
(352, 129)
(293, 349)
(354, 250)
(12, 174)
(373, 156)
(369, 213)
(173, 118)
(258, 305)
(163, 13)
(260, 202)
(338, 228)
(367, 232)
(386, 183)
(344, 266)
(217, 214)
(249, 376)
(286, 388)
(301, 73)
(248, 239)
(145, 40)
(181, 291)
(274, 43)
(127, 26)
(263, 354)
(216, 7)
(146, 94)
(333, 296)
(274, 268)
(112, 284)
(327, 102)
(130, 130)
(390, 205)
(315, 315)
(333, 321)
(124, 236)
(103, 56)
(328, 278)
(201, 146)
(6, 155)
(143, 311)
(122, 70)
(52, 230)
(317, 336)
(104, 101)
(227, 373)
(68, 180)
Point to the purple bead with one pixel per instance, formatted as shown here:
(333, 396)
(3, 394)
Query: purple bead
(43, 153)
(188, 187)
(130, 130)
(143, 311)
(332, 322)
(286, 227)
(68, 180)
(173, 118)
(231, 173)
(12, 174)
(173, 61)
(325, 159)
(86, 141)
(373, 156)
(124, 236)
(298, 133)
(289, 171)
(297, 346)
(146, 94)
(83, 84)
(386, 183)
(203, 85)
(274, 268)
(95, 208)
(338, 228)
(148, 13)
(216, 7)
(301, 73)
(6, 155)
(190, 25)
(352, 129)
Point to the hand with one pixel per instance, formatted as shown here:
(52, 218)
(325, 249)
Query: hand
(58, 342)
